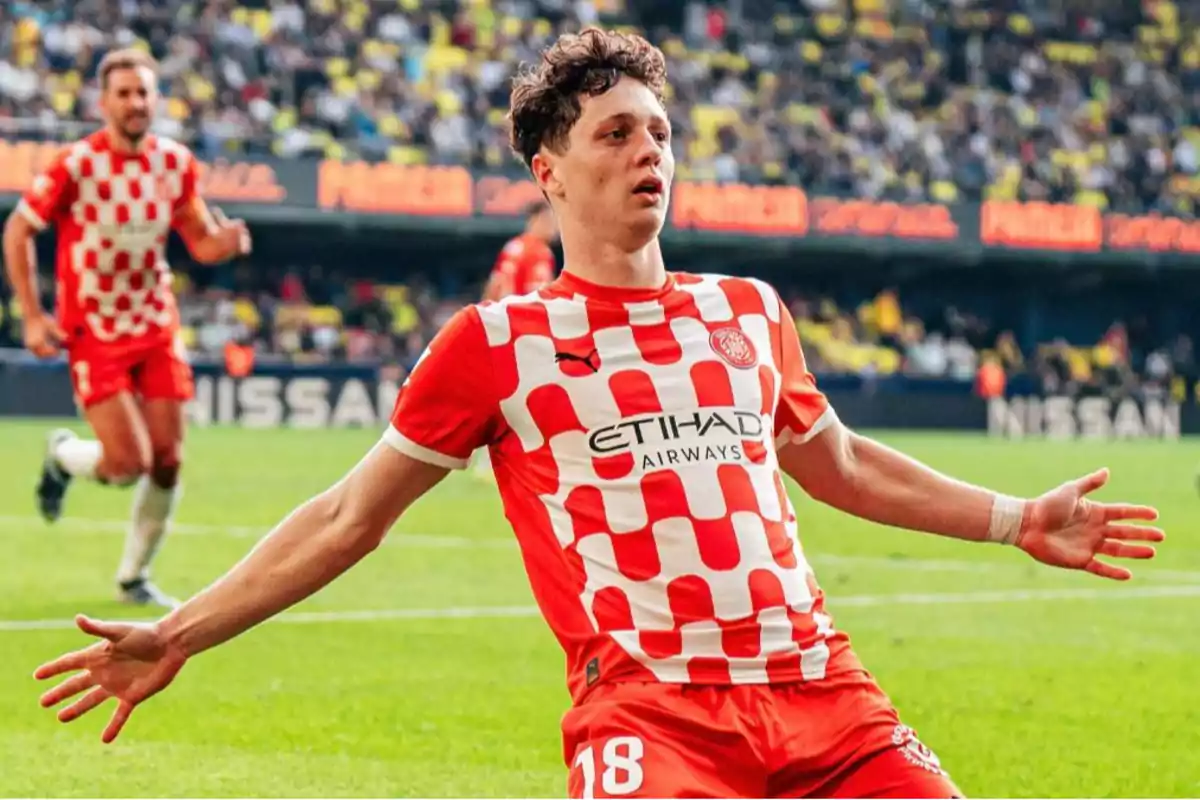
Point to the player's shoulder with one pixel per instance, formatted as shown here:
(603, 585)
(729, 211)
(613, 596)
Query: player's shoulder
(514, 247)
(73, 154)
(175, 154)
(516, 314)
(717, 283)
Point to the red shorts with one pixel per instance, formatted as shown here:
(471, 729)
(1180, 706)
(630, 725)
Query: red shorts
(156, 369)
(836, 738)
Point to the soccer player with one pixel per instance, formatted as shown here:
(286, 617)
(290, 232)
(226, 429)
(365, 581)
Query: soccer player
(114, 198)
(526, 264)
(643, 476)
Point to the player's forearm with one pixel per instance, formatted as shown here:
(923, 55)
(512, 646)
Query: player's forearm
(878, 483)
(211, 249)
(308, 550)
(20, 263)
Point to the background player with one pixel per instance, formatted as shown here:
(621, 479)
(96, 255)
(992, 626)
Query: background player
(644, 483)
(526, 264)
(114, 198)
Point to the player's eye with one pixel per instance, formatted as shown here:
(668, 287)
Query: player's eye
(662, 136)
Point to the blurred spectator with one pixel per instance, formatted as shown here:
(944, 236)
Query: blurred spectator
(1095, 103)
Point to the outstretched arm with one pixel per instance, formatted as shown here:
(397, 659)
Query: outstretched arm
(315, 544)
(444, 411)
(1062, 527)
(862, 477)
(319, 541)
(210, 237)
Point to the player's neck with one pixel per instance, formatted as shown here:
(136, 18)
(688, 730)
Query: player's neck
(608, 265)
(123, 144)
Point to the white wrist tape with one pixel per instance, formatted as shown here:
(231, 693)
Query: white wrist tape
(1007, 514)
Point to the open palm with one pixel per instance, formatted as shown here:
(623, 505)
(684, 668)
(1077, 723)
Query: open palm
(1066, 529)
(132, 663)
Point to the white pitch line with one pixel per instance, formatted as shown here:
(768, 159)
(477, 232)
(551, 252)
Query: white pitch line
(76, 526)
(81, 526)
(508, 612)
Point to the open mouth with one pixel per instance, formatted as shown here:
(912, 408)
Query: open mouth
(652, 187)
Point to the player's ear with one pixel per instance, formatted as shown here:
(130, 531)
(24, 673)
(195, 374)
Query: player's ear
(543, 168)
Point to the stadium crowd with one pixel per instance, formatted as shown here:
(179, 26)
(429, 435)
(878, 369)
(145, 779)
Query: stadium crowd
(315, 316)
(1085, 101)
(1094, 102)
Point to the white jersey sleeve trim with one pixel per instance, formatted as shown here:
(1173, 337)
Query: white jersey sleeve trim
(410, 448)
(31, 216)
(789, 436)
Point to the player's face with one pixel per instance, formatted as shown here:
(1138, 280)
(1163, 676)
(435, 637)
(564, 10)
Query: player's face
(617, 168)
(128, 101)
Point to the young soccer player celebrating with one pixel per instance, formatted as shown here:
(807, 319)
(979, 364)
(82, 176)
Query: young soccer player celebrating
(640, 423)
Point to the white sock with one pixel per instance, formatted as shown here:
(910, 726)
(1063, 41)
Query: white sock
(152, 507)
(483, 460)
(78, 457)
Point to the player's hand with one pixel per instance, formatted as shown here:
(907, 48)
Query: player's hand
(1066, 529)
(232, 235)
(132, 662)
(43, 335)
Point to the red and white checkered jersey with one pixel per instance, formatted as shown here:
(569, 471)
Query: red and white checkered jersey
(633, 435)
(113, 213)
(525, 264)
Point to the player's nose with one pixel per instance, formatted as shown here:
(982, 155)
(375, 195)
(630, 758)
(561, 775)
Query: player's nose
(650, 150)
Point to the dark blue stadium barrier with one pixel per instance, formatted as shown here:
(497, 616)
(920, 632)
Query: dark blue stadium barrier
(350, 396)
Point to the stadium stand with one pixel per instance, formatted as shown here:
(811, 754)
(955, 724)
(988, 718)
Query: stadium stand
(932, 100)
(1092, 103)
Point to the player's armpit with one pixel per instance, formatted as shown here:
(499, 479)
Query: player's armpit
(315, 544)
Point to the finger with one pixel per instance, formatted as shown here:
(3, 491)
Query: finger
(1115, 549)
(117, 722)
(1103, 570)
(64, 663)
(219, 217)
(243, 236)
(57, 332)
(1139, 533)
(84, 704)
(105, 630)
(68, 688)
(1090, 483)
(1114, 511)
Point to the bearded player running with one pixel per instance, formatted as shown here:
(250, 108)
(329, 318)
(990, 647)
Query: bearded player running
(644, 480)
(114, 198)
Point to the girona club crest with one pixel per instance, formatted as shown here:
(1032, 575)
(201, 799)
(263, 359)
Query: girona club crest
(915, 751)
(734, 347)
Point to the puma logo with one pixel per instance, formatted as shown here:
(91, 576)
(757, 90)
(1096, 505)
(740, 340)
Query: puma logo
(561, 357)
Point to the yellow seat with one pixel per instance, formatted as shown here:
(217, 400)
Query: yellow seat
(407, 155)
(325, 316)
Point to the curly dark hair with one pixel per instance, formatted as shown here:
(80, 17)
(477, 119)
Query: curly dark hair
(545, 99)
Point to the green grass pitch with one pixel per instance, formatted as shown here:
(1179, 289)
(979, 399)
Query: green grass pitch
(1024, 680)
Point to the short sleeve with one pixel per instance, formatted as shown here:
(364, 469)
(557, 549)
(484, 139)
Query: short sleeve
(447, 407)
(803, 410)
(189, 188)
(49, 195)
